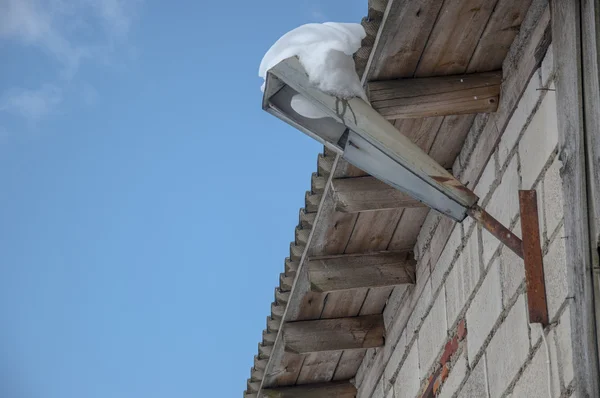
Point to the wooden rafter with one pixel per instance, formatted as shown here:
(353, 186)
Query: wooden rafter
(343, 272)
(334, 334)
(436, 96)
(353, 195)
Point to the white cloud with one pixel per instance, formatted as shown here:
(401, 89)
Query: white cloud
(31, 104)
(68, 32)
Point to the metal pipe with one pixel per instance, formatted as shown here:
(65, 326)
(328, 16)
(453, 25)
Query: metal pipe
(494, 227)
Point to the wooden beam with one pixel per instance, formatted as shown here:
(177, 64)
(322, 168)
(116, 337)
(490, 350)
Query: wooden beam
(334, 334)
(339, 389)
(436, 96)
(570, 50)
(353, 195)
(354, 271)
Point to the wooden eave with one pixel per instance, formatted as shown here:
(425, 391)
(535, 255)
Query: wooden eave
(405, 39)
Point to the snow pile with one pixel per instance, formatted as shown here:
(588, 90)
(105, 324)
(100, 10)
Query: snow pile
(325, 51)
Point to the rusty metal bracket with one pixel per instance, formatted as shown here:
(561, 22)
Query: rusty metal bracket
(529, 249)
(532, 255)
(494, 227)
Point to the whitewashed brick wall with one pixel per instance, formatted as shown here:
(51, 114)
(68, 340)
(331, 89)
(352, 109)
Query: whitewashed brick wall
(462, 330)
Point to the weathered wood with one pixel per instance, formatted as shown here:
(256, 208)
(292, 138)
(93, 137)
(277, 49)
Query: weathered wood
(436, 96)
(454, 37)
(334, 334)
(421, 131)
(572, 111)
(450, 139)
(498, 35)
(590, 13)
(401, 39)
(344, 272)
(353, 195)
(333, 389)
(405, 236)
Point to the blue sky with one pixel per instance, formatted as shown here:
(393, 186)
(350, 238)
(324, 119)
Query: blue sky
(147, 201)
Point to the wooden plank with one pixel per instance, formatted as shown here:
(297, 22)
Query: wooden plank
(571, 108)
(436, 96)
(401, 39)
(342, 389)
(406, 233)
(334, 334)
(421, 131)
(331, 234)
(590, 14)
(455, 37)
(499, 34)
(353, 195)
(373, 231)
(344, 272)
(450, 139)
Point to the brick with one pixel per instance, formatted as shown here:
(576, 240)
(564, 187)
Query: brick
(487, 179)
(539, 140)
(462, 279)
(525, 107)
(456, 375)
(441, 378)
(512, 274)
(379, 390)
(461, 330)
(390, 393)
(445, 259)
(555, 274)
(396, 357)
(421, 306)
(504, 206)
(365, 366)
(408, 380)
(553, 197)
(432, 334)
(449, 349)
(534, 380)
(396, 299)
(484, 311)
(455, 297)
(477, 383)
(547, 68)
(508, 349)
(440, 238)
(561, 351)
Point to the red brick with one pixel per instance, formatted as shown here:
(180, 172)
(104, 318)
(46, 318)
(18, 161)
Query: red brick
(445, 371)
(441, 378)
(462, 330)
(449, 350)
(437, 385)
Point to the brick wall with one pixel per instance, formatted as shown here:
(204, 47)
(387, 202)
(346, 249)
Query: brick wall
(462, 330)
